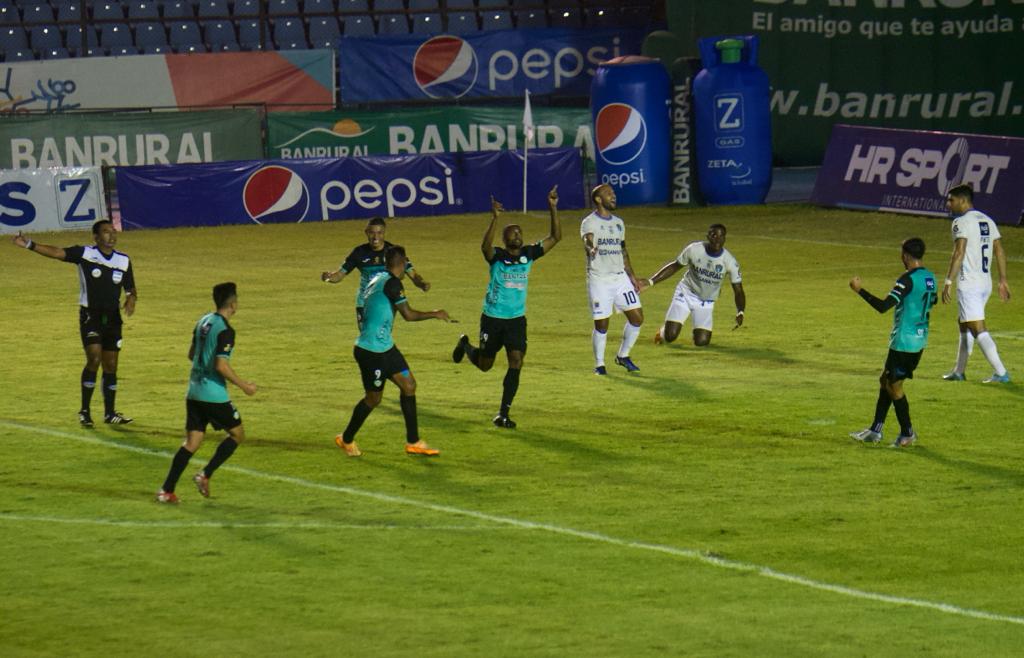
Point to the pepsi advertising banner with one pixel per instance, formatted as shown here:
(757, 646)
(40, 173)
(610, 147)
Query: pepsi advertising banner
(342, 188)
(910, 171)
(497, 63)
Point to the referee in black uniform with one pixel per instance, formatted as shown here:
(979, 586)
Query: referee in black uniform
(102, 273)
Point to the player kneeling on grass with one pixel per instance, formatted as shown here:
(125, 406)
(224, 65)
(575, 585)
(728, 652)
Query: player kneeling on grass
(706, 265)
(207, 401)
(378, 357)
(913, 296)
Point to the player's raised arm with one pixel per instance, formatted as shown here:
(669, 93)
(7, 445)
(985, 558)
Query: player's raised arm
(41, 249)
(410, 314)
(487, 245)
(556, 225)
(1004, 285)
(955, 261)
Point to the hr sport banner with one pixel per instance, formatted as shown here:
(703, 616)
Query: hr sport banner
(343, 188)
(908, 171)
(497, 63)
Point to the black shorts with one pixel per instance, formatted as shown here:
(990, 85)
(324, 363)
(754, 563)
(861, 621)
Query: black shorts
(98, 326)
(378, 367)
(496, 333)
(901, 365)
(222, 415)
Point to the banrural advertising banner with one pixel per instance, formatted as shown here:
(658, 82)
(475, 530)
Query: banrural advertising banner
(909, 171)
(128, 138)
(435, 129)
(496, 63)
(280, 80)
(951, 65)
(343, 188)
(58, 199)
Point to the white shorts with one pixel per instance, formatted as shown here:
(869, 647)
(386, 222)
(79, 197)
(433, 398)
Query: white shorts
(971, 302)
(609, 294)
(684, 303)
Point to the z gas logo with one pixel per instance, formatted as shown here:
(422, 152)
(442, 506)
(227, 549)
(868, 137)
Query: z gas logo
(620, 133)
(445, 67)
(275, 194)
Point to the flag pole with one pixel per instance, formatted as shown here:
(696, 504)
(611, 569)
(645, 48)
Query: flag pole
(527, 134)
(526, 151)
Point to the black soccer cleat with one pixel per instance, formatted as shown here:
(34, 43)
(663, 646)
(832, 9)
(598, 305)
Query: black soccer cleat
(460, 348)
(117, 418)
(504, 422)
(85, 418)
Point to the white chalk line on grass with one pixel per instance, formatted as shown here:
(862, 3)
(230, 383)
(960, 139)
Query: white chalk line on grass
(690, 554)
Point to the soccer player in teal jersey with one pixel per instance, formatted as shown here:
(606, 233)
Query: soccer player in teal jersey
(378, 357)
(368, 258)
(913, 296)
(503, 321)
(207, 401)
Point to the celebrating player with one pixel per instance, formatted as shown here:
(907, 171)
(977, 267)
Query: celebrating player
(707, 264)
(207, 401)
(611, 283)
(913, 296)
(503, 321)
(368, 258)
(378, 356)
(102, 273)
(976, 240)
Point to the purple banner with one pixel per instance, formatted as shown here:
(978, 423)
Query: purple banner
(910, 171)
(496, 63)
(343, 188)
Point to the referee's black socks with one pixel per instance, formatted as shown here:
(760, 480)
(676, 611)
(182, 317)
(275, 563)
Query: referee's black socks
(109, 393)
(88, 386)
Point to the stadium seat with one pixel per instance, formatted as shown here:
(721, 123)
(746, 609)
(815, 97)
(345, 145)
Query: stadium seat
(108, 11)
(600, 17)
(460, 4)
(565, 13)
(18, 55)
(71, 11)
(424, 5)
(73, 37)
(143, 9)
(183, 33)
(392, 24)
(388, 5)
(313, 7)
(121, 51)
(213, 9)
(495, 19)
(156, 50)
(289, 31)
(178, 9)
(218, 34)
(530, 18)
(94, 51)
(54, 53)
(13, 38)
(358, 26)
(191, 48)
(426, 24)
(9, 14)
(493, 4)
(150, 34)
(249, 34)
(353, 6)
(115, 35)
(461, 22)
(324, 32)
(43, 37)
(635, 16)
(282, 7)
(37, 15)
(246, 8)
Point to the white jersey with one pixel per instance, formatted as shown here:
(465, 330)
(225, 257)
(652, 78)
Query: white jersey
(980, 232)
(609, 236)
(704, 273)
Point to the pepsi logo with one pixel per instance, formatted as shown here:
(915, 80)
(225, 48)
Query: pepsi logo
(445, 67)
(275, 194)
(620, 133)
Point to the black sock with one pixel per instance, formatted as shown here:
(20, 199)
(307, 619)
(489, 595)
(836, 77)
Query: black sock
(359, 415)
(412, 433)
(177, 468)
(881, 410)
(511, 385)
(88, 386)
(902, 408)
(109, 393)
(224, 450)
(473, 353)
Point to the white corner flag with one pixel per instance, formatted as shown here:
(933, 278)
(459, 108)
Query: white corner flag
(527, 136)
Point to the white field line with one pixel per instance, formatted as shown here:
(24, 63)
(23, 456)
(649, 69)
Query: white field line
(687, 553)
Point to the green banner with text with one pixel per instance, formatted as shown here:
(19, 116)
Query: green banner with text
(949, 65)
(129, 138)
(418, 130)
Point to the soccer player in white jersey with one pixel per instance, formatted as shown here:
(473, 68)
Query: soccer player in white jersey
(611, 283)
(976, 243)
(707, 264)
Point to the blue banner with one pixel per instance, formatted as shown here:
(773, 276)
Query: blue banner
(497, 63)
(243, 192)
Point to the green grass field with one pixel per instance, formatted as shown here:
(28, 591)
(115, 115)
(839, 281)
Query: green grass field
(711, 504)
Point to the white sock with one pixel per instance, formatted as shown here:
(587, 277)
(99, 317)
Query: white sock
(988, 346)
(599, 340)
(629, 335)
(964, 349)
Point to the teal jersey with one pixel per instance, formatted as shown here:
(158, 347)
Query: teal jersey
(212, 338)
(506, 292)
(380, 300)
(370, 263)
(915, 294)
